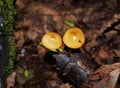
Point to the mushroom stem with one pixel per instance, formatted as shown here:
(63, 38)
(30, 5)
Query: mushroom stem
(69, 52)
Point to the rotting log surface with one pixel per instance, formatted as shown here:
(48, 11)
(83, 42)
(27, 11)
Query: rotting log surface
(36, 17)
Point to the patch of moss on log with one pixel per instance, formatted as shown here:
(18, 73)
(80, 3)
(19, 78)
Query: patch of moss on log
(8, 12)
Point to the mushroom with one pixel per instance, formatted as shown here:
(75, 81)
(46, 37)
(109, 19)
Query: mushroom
(74, 38)
(52, 40)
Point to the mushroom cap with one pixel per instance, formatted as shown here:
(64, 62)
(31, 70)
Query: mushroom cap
(74, 38)
(52, 40)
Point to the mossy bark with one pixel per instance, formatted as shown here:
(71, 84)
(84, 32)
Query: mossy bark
(7, 12)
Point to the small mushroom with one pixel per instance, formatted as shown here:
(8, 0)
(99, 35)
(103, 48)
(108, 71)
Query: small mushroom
(52, 40)
(74, 38)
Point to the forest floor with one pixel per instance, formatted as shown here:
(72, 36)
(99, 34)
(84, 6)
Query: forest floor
(34, 65)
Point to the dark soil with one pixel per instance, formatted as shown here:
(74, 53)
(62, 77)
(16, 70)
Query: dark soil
(3, 55)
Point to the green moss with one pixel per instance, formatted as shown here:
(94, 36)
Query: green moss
(8, 12)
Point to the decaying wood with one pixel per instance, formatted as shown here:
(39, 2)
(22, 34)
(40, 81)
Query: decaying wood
(101, 49)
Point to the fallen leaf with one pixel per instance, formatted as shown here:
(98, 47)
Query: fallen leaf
(11, 80)
(109, 81)
(107, 75)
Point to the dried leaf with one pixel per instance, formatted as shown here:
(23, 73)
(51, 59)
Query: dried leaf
(11, 80)
(108, 75)
(109, 81)
(67, 85)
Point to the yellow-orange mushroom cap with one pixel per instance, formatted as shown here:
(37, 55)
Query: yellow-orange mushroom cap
(74, 38)
(52, 40)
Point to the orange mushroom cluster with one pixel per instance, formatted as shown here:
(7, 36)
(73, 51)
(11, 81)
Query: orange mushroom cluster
(73, 38)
